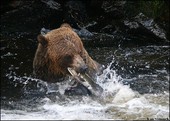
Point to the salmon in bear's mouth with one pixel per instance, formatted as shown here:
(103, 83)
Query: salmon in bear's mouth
(87, 81)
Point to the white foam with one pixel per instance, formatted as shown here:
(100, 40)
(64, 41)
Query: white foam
(123, 95)
(118, 101)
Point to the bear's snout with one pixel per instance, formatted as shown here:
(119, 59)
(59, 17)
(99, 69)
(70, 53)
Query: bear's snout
(83, 69)
(79, 65)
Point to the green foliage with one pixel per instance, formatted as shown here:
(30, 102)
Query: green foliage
(152, 8)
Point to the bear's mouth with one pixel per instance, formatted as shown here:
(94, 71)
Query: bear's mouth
(87, 81)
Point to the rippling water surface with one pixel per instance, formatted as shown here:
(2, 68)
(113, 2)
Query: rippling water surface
(135, 83)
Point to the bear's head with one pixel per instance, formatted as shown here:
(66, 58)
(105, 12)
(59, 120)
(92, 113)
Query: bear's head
(60, 53)
(59, 49)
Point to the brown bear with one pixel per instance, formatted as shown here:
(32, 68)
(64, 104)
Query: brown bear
(59, 50)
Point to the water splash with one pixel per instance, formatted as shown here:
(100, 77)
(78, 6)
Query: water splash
(118, 101)
(114, 90)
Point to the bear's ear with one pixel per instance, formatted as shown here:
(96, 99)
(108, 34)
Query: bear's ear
(41, 39)
(66, 25)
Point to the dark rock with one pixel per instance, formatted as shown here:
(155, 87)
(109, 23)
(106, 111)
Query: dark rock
(44, 31)
(8, 5)
(84, 33)
(113, 9)
(22, 25)
(108, 29)
(149, 24)
(147, 27)
(75, 13)
(52, 4)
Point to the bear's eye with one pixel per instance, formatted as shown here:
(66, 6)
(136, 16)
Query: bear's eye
(67, 59)
(80, 53)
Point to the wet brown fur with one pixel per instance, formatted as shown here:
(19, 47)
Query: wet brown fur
(59, 49)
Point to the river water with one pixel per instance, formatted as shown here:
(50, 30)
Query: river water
(135, 83)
